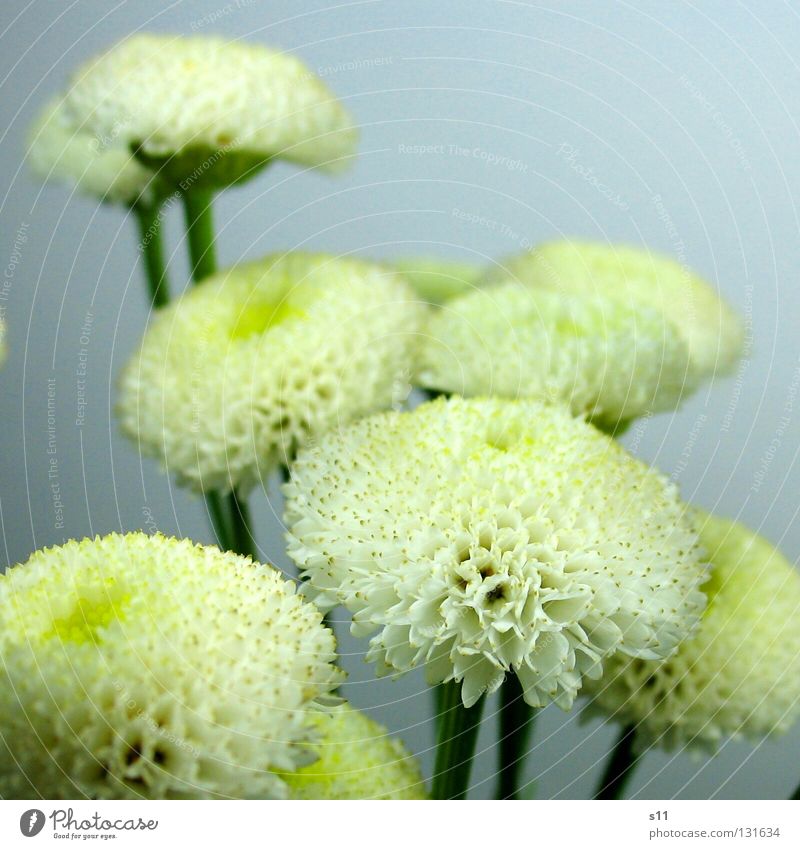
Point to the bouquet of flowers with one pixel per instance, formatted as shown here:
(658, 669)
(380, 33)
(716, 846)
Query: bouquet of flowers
(446, 436)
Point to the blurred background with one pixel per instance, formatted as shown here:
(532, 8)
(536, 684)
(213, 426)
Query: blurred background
(486, 127)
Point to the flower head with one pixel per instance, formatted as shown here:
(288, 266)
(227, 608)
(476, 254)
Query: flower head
(486, 537)
(100, 167)
(712, 331)
(599, 356)
(357, 760)
(146, 666)
(182, 100)
(242, 370)
(739, 674)
(437, 281)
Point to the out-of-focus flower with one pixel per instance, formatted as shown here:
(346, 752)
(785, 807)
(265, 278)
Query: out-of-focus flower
(104, 168)
(206, 109)
(357, 760)
(739, 675)
(242, 370)
(711, 329)
(601, 357)
(437, 281)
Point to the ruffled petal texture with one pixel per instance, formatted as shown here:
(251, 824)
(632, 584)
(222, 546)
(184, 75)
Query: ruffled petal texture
(357, 760)
(166, 94)
(241, 371)
(712, 331)
(601, 357)
(144, 666)
(739, 675)
(479, 538)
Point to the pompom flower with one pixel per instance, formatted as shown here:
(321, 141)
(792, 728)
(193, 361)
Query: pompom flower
(181, 100)
(238, 373)
(437, 281)
(357, 759)
(711, 329)
(739, 675)
(599, 356)
(487, 537)
(143, 666)
(60, 150)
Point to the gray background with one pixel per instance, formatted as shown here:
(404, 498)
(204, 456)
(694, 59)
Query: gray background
(682, 121)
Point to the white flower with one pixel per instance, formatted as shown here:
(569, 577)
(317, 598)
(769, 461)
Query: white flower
(193, 96)
(61, 150)
(739, 675)
(484, 537)
(710, 328)
(240, 371)
(146, 666)
(357, 760)
(436, 280)
(599, 356)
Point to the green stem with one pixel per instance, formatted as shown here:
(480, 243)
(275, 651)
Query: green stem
(151, 245)
(516, 726)
(614, 430)
(198, 213)
(241, 538)
(220, 520)
(457, 735)
(620, 766)
(230, 515)
(796, 794)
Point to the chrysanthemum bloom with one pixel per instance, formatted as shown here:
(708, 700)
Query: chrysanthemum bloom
(487, 537)
(246, 367)
(600, 356)
(711, 329)
(60, 150)
(739, 675)
(146, 666)
(437, 281)
(357, 759)
(180, 101)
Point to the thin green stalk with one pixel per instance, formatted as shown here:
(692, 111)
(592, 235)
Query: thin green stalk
(457, 735)
(230, 515)
(241, 539)
(199, 217)
(516, 726)
(620, 767)
(151, 245)
(614, 430)
(220, 520)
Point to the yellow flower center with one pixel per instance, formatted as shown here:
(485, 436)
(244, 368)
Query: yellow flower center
(258, 318)
(90, 615)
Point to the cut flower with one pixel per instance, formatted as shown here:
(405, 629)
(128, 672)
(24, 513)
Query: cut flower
(242, 370)
(739, 675)
(145, 666)
(483, 538)
(599, 356)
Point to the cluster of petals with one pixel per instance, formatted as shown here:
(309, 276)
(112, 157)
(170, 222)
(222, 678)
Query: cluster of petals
(482, 538)
(600, 356)
(739, 674)
(146, 666)
(233, 377)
